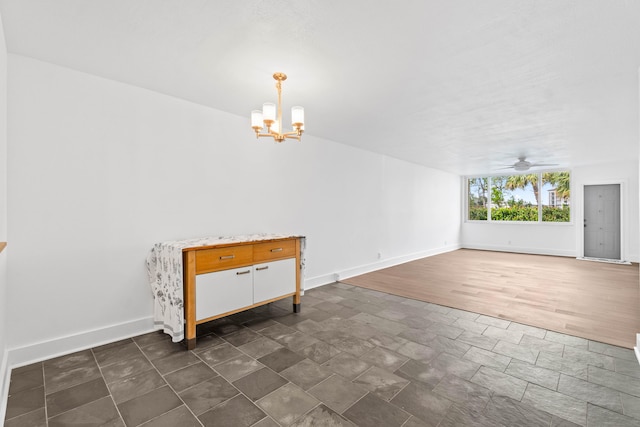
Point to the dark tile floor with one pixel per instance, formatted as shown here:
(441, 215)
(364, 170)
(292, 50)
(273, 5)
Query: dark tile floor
(352, 357)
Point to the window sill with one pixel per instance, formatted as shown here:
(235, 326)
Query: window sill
(534, 223)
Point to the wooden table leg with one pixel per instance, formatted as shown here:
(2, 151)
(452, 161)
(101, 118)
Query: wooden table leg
(296, 297)
(189, 283)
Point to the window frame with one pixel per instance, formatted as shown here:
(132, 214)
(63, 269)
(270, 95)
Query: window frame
(489, 220)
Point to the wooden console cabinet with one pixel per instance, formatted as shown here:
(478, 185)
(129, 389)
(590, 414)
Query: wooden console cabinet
(224, 279)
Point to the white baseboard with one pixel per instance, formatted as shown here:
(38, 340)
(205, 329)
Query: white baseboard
(314, 282)
(520, 250)
(385, 263)
(37, 352)
(5, 375)
(604, 260)
(635, 349)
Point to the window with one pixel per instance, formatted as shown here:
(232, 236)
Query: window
(514, 198)
(557, 185)
(478, 189)
(534, 197)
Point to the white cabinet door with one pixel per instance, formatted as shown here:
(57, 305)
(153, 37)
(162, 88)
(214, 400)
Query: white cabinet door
(223, 291)
(274, 279)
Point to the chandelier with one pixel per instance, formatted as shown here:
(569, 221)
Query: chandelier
(271, 117)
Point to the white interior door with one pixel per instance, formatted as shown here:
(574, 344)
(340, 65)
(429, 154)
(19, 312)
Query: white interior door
(602, 221)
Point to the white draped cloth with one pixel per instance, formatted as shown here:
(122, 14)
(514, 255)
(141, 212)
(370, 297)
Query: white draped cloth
(164, 269)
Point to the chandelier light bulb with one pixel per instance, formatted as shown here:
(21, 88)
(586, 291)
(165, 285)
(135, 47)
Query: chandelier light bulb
(256, 119)
(269, 111)
(297, 116)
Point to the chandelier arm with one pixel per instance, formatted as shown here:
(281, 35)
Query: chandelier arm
(276, 136)
(293, 134)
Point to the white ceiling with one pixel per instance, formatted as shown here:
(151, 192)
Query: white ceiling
(465, 86)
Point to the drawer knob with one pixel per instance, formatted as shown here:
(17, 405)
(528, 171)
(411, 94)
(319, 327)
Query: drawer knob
(276, 250)
(243, 272)
(262, 268)
(228, 257)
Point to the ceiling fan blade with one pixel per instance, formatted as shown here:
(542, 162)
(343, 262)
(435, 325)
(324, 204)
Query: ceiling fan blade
(522, 165)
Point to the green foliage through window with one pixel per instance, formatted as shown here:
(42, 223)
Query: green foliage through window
(550, 214)
(478, 188)
(518, 197)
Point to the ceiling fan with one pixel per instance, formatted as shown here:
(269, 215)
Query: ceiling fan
(523, 165)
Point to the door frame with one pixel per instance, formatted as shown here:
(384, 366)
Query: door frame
(580, 221)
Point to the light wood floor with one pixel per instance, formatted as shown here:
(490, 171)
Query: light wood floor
(591, 300)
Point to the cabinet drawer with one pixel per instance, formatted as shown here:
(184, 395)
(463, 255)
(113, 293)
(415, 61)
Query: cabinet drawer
(274, 250)
(223, 258)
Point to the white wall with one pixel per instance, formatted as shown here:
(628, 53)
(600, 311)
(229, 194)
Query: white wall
(4, 380)
(99, 171)
(565, 239)
(637, 347)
